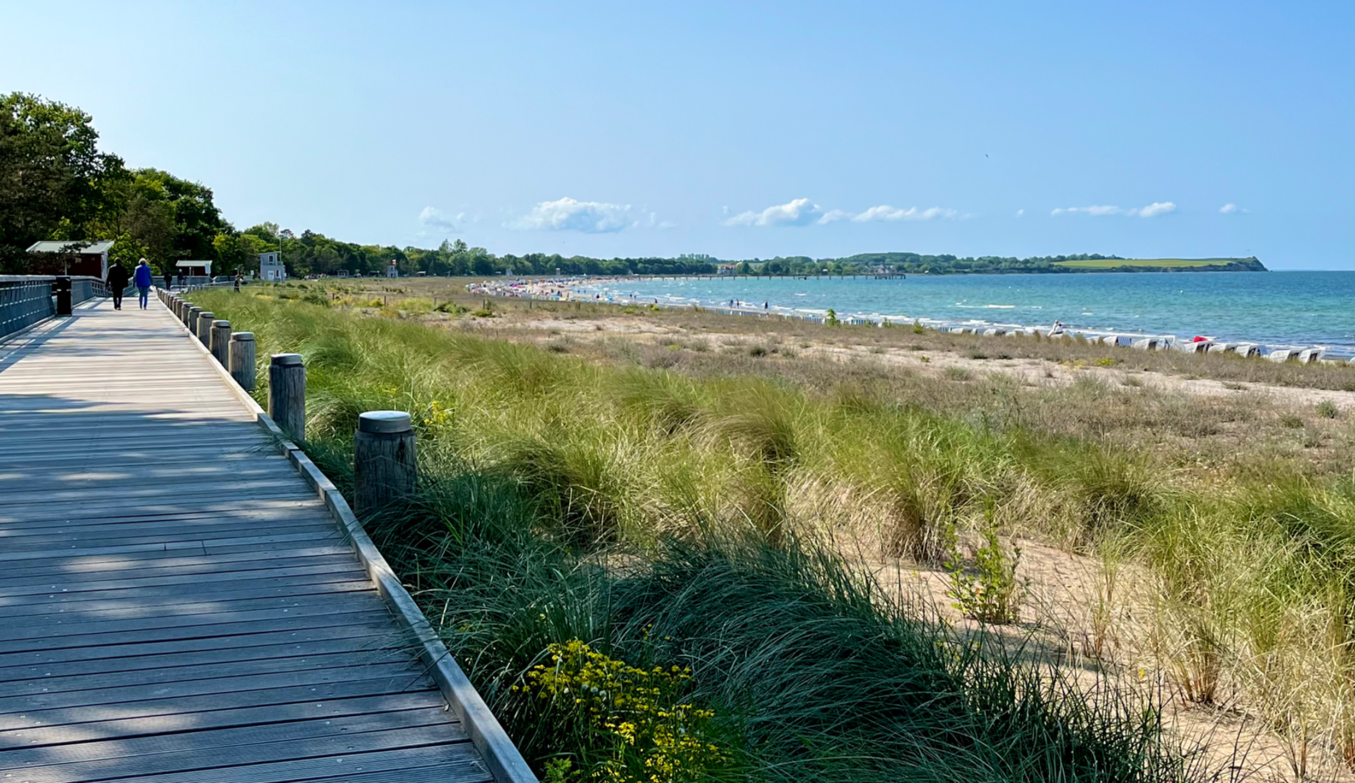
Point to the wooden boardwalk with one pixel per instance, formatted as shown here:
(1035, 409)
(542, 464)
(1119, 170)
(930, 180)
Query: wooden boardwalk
(176, 605)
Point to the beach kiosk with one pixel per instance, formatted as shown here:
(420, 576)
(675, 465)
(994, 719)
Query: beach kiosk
(70, 257)
(197, 272)
(271, 269)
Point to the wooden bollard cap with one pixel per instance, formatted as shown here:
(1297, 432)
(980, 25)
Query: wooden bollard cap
(206, 314)
(384, 422)
(222, 323)
(287, 359)
(242, 337)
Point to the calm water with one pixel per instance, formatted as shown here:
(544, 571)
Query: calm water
(1275, 308)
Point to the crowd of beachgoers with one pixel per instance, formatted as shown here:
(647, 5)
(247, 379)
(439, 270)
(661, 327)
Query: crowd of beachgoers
(577, 289)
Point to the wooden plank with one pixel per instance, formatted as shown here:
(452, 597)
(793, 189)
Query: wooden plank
(186, 751)
(395, 676)
(171, 600)
(134, 655)
(85, 583)
(36, 721)
(116, 644)
(179, 562)
(176, 669)
(460, 760)
(165, 534)
(40, 637)
(272, 714)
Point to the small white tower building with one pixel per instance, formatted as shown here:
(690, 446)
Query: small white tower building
(270, 267)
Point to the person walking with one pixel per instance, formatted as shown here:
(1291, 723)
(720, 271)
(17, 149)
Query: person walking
(117, 283)
(143, 282)
(239, 278)
(168, 279)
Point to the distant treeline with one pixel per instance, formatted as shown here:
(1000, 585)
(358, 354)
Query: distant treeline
(311, 253)
(55, 183)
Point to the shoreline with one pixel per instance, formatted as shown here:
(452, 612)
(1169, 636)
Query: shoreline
(585, 289)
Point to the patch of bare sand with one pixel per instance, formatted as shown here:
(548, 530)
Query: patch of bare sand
(1033, 372)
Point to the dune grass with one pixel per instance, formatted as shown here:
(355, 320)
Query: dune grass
(700, 521)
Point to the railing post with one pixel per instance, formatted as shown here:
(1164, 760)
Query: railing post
(241, 353)
(219, 339)
(62, 287)
(190, 318)
(203, 327)
(385, 464)
(287, 394)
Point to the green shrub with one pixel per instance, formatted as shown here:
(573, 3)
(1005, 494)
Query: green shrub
(629, 723)
(992, 593)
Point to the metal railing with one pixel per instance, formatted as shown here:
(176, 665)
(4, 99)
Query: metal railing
(28, 299)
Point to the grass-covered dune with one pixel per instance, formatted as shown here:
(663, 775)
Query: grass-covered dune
(657, 574)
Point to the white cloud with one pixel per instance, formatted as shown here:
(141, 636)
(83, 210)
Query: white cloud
(1100, 211)
(1152, 210)
(799, 212)
(1231, 208)
(434, 218)
(567, 214)
(802, 212)
(892, 214)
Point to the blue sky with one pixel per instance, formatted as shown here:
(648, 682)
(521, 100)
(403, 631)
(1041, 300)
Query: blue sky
(742, 129)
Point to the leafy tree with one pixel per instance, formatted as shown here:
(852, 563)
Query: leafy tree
(53, 178)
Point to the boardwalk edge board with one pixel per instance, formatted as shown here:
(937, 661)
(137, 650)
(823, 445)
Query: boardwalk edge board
(500, 754)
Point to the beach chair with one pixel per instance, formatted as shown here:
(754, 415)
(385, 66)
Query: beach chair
(1281, 356)
(1310, 355)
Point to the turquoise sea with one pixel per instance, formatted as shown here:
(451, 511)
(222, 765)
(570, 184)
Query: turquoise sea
(1272, 308)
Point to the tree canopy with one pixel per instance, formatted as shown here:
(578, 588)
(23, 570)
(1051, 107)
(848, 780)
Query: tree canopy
(52, 175)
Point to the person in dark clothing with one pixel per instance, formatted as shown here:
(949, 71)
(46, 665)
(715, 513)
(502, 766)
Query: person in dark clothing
(168, 279)
(117, 283)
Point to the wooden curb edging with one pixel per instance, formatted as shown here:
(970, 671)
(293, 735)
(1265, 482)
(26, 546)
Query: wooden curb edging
(502, 757)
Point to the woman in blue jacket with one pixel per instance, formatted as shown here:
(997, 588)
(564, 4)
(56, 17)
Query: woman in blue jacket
(143, 282)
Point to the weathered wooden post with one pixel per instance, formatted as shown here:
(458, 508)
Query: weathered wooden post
(287, 394)
(204, 327)
(241, 353)
(219, 340)
(385, 464)
(190, 318)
